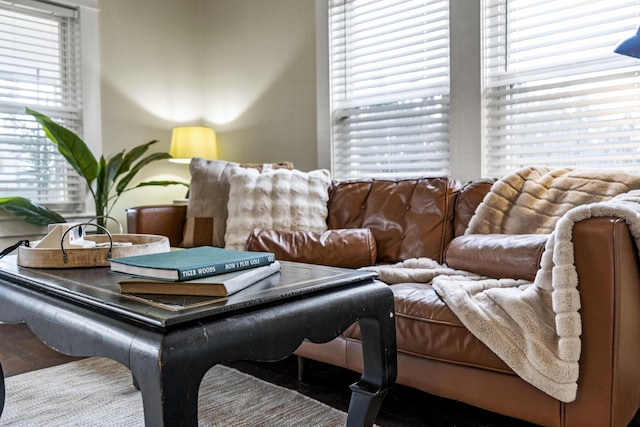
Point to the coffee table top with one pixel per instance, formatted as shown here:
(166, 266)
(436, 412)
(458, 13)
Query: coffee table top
(98, 287)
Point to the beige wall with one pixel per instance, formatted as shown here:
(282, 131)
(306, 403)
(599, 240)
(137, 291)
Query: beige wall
(244, 67)
(259, 79)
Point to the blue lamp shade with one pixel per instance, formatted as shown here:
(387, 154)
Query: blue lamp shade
(630, 46)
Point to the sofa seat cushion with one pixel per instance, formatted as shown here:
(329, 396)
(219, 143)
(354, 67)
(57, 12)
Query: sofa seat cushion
(348, 248)
(426, 327)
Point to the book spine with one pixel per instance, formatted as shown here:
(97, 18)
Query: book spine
(225, 267)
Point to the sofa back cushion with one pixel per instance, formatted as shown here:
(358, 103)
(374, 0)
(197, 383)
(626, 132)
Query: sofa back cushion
(409, 218)
(469, 197)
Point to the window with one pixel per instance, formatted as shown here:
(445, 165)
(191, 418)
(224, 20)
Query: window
(556, 95)
(389, 87)
(40, 68)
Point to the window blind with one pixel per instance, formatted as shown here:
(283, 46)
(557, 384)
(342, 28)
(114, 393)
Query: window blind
(39, 69)
(389, 79)
(556, 94)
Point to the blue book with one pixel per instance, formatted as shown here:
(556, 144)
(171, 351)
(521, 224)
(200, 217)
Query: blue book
(189, 264)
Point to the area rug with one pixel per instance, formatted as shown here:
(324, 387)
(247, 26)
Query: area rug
(99, 392)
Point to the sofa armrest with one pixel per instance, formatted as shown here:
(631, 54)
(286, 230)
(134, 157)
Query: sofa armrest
(349, 248)
(163, 220)
(606, 260)
(514, 256)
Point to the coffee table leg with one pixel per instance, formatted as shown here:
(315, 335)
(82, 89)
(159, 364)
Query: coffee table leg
(364, 406)
(169, 396)
(379, 357)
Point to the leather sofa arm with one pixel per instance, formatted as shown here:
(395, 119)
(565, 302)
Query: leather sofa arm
(163, 220)
(606, 260)
(349, 248)
(513, 256)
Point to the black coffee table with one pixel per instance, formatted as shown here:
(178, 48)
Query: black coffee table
(169, 343)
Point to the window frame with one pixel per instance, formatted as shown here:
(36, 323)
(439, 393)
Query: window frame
(545, 97)
(10, 227)
(466, 119)
(465, 112)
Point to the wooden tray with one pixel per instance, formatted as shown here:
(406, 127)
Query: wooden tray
(47, 257)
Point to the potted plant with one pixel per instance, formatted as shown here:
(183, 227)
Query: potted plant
(106, 179)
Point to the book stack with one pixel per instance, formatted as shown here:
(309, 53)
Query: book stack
(201, 271)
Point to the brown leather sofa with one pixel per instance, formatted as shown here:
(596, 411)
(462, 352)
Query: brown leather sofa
(436, 353)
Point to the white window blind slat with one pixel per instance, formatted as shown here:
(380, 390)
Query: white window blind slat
(389, 79)
(384, 126)
(39, 69)
(48, 8)
(555, 93)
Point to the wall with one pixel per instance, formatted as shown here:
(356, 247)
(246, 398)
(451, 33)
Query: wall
(244, 67)
(259, 79)
(150, 82)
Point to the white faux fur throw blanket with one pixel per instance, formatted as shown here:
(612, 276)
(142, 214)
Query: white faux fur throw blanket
(535, 327)
(533, 199)
(417, 270)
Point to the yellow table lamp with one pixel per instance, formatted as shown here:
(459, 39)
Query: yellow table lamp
(193, 141)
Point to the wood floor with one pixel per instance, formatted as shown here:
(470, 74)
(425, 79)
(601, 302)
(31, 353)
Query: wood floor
(21, 351)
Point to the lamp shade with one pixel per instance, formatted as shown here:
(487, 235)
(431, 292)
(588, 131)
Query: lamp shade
(630, 46)
(193, 141)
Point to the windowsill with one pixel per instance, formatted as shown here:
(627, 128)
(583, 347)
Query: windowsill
(13, 229)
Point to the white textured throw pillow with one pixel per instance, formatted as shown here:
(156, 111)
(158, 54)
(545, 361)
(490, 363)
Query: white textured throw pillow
(277, 199)
(206, 219)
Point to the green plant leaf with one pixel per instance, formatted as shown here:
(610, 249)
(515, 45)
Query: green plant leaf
(160, 183)
(70, 146)
(113, 167)
(101, 175)
(29, 211)
(101, 194)
(133, 155)
(122, 185)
